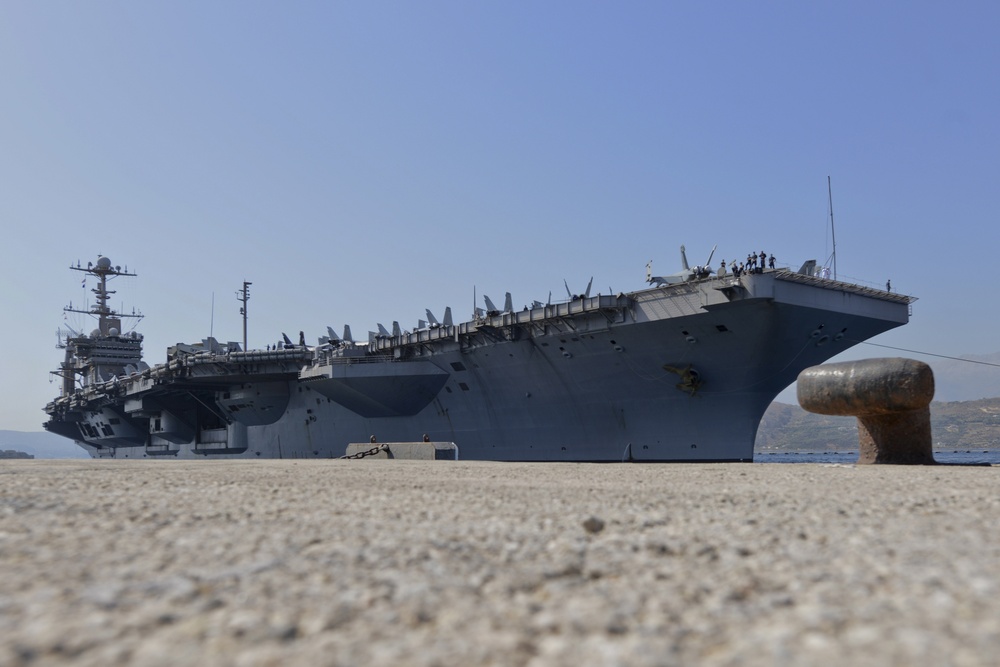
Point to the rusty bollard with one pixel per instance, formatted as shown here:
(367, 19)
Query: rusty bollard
(890, 398)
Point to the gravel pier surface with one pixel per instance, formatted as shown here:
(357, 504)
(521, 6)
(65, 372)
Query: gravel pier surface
(472, 563)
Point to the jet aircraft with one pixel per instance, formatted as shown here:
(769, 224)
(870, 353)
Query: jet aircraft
(687, 273)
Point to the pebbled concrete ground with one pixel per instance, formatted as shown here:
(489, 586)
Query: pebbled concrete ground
(472, 563)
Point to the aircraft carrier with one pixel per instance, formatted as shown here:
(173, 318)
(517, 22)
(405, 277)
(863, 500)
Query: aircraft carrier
(680, 370)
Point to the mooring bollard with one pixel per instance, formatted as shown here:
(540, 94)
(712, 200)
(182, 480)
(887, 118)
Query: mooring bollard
(890, 398)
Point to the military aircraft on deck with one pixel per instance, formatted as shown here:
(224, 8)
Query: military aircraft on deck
(688, 273)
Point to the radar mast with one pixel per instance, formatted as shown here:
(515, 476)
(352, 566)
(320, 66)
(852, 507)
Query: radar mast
(107, 318)
(106, 353)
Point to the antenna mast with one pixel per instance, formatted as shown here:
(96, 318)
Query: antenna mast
(833, 232)
(244, 296)
(107, 317)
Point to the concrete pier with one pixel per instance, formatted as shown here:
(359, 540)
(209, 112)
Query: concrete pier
(391, 562)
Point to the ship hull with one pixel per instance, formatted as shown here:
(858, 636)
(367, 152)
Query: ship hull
(679, 373)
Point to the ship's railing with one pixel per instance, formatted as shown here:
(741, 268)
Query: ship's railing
(286, 354)
(539, 315)
(124, 384)
(344, 361)
(559, 310)
(187, 360)
(827, 283)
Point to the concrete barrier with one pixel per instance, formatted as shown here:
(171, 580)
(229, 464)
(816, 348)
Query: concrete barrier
(424, 451)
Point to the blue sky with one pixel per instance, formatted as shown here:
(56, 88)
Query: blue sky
(360, 162)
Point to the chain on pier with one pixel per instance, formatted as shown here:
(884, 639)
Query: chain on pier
(368, 452)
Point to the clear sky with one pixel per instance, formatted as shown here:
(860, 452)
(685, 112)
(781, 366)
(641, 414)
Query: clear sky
(360, 162)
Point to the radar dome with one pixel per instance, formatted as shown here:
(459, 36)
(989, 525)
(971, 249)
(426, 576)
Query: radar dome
(112, 331)
(103, 263)
(95, 333)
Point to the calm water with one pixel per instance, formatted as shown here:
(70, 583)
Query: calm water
(991, 456)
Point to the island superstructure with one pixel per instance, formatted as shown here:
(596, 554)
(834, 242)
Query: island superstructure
(681, 370)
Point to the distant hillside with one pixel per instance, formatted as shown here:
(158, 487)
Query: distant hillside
(42, 445)
(954, 425)
(13, 454)
(971, 380)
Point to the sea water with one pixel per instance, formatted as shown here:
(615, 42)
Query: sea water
(962, 457)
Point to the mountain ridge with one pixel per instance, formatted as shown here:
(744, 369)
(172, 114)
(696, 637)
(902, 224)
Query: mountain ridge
(954, 425)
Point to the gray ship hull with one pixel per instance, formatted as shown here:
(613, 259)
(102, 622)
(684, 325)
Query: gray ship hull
(674, 373)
